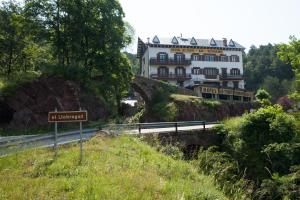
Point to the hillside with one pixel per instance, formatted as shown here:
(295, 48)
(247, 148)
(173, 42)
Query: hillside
(113, 168)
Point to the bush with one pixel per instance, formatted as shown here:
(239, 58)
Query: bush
(226, 172)
(173, 151)
(165, 111)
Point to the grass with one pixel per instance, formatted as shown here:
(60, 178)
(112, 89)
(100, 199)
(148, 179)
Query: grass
(113, 168)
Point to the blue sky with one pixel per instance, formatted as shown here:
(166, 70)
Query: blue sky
(249, 22)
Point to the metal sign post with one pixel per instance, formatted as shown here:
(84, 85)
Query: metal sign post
(68, 116)
(55, 136)
(80, 126)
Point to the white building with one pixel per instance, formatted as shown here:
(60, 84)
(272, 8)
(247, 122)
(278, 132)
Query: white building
(188, 61)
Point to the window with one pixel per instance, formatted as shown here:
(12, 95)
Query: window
(209, 58)
(235, 71)
(234, 58)
(163, 71)
(223, 58)
(179, 71)
(211, 71)
(179, 57)
(196, 71)
(162, 57)
(195, 57)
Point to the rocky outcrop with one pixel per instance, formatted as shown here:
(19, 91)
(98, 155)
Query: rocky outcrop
(31, 102)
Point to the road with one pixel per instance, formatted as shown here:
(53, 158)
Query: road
(12, 143)
(172, 129)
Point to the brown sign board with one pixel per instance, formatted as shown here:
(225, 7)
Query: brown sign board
(68, 116)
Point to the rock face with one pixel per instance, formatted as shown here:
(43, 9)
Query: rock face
(30, 104)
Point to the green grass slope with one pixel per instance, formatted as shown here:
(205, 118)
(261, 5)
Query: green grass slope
(112, 168)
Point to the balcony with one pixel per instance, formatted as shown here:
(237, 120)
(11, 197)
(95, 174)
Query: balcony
(231, 77)
(170, 61)
(181, 77)
(214, 76)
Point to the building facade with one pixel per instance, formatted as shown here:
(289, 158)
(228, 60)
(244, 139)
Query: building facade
(189, 62)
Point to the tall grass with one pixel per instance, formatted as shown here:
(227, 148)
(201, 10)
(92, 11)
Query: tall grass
(113, 168)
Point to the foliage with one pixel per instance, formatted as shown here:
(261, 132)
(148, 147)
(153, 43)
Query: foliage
(262, 94)
(262, 152)
(112, 168)
(275, 87)
(262, 62)
(173, 151)
(277, 188)
(165, 111)
(134, 62)
(285, 102)
(21, 48)
(8, 87)
(258, 129)
(290, 53)
(263, 97)
(78, 40)
(226, 172)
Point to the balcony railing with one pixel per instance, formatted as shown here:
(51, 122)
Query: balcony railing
(170, 61)
(171, 76)
(214, 76)
(231, 77)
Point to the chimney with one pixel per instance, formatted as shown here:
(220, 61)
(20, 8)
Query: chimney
(225, 42)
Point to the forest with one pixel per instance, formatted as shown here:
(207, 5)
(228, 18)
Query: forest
(76, 40)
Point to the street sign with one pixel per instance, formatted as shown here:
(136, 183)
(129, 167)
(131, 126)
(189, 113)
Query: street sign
(68, 116)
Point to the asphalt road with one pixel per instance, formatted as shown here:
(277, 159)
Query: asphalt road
(14, 143)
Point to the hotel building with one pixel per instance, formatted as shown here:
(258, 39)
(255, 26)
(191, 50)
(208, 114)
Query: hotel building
(188, 61)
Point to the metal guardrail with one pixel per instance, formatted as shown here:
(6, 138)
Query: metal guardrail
(40, 140)
(155, 125)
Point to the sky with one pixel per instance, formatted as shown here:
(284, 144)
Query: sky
(248, 22)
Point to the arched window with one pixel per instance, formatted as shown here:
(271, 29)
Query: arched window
(235, 71)
(162, 71)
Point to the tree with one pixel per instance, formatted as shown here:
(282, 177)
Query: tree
(22, 48)
(263, 97)
(262, 62)
(290, 53)
(87, 36)
(275, 87)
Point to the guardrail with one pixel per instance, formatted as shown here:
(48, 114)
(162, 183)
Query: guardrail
(156, 125)
(8, 144)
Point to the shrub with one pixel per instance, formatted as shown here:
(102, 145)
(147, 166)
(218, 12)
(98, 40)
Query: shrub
(173, 151)
(256, 131)
(165, 111)
(285, 102)
(226, 172)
